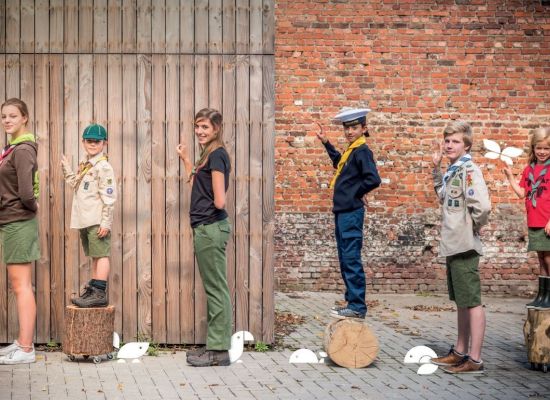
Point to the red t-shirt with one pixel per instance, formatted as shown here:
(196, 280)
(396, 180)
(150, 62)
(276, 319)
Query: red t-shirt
(537, 217)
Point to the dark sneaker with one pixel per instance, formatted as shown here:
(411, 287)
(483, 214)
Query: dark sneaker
(196, 352)
(85, 293)
(210, 358)
(451, 359)
(347, 313)
(466, 366)
(96, 298)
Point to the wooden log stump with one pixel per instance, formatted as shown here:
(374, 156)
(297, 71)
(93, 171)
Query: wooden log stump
(351, 343)
(537, 337)
(88, 331)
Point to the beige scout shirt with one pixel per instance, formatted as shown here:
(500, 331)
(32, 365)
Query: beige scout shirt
(95, 194)
(466, 208)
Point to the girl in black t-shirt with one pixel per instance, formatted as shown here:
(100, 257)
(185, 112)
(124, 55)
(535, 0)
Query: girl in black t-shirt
(209, 179)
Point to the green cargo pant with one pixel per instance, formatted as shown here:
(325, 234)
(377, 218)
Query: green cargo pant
(210, 242)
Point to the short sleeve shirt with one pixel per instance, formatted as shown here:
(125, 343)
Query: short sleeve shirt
(537, 217)
(202, 210)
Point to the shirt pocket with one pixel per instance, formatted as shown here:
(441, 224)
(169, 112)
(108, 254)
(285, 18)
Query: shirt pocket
(89, 185)
(454, 201)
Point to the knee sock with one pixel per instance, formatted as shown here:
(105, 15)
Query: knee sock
(99, 284)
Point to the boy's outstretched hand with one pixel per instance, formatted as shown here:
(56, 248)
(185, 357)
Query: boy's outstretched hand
(320, 135)
(102, 232)
(437, 155)
(64, 160)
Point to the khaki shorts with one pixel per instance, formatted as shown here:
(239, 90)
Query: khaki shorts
(20, 244)
(463, 279)
(94, 246)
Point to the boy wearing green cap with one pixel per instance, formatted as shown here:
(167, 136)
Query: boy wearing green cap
(92, 211)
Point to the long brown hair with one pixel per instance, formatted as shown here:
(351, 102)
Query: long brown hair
(538, 135)
(21, 106)
(215, 118)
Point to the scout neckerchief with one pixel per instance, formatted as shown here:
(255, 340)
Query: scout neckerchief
(532, 195)
(27, 137)
(358, 142)
(84, 167)
(451, 171)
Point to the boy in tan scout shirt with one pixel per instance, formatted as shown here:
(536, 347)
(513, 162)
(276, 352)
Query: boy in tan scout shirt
(92, 211)
(465, 209)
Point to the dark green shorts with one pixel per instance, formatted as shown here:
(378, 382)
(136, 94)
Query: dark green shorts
(20, 244)
(538, 240)
(463, 279)
(94, 246)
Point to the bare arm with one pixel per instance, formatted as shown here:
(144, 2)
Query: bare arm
(520, 192)
(218, 185)
(182, 153)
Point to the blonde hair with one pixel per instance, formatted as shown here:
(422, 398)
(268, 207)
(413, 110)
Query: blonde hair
(538, 135)
(215, 118)
(460, 127)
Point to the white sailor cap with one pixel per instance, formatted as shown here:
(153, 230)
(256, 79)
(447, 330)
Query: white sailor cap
(353, 116)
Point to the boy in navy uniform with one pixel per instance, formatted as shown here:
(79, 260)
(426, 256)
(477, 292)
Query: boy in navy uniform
(355, 177)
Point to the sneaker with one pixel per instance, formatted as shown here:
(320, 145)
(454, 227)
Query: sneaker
(96, 298)
(8, 349)
(452, 358)
(18, 356)
(210, 358)
(337, 309)
(347, 313)
(196, 352)
(87, 292)
(466, 366)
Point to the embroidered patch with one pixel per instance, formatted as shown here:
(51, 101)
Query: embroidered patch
(471, 192)
(455, 182)
(450, 203)
(109, 181)
(109, 190)
(457, 203)
(86, 185)
(469, 179)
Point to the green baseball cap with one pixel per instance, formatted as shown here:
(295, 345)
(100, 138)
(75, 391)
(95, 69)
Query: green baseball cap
(95, 131)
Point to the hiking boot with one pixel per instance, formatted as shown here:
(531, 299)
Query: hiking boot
(347, 313)
(540, 295)
(466, 366)
(9, 348)
(452, 358)
(96, 298)
(196, 352)
(210, 358)
(18, 356)
(85, 293)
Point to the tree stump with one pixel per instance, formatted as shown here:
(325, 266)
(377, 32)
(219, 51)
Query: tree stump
(351, 343)
(88, 331)
(537, 337)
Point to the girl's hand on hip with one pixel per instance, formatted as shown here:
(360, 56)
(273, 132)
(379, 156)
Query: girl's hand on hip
(102, 232)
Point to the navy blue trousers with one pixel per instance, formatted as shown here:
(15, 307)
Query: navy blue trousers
(349, 241)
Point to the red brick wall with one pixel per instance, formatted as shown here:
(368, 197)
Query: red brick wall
(416, 64)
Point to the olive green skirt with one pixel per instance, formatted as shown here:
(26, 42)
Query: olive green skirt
(538, 240)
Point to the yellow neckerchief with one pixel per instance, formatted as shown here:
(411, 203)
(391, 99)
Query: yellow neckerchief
(358, 142)
(85, 167)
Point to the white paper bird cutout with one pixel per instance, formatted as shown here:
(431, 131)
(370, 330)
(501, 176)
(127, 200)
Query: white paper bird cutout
(306, 356)
(237, 344)
(132, 350)
(505, 155)
(116, 340)
(421, 355)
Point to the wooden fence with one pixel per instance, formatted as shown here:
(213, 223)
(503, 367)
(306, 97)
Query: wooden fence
(142, 68)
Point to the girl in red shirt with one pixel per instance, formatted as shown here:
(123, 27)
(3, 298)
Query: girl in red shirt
(534, 187)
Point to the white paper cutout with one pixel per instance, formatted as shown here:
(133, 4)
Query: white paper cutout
(306, 356)
(505, 155)
(133, 350)
(237, 344)
(421, 355)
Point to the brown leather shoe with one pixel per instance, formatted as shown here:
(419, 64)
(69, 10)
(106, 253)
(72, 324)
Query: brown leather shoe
(449, 360)
(210, 358)
(466, 366)
(196, 352)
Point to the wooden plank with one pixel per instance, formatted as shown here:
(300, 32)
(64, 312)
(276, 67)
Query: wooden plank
(228, 113)
(57, 204)
(268, 195)
(13, 26)
(242, 35)
(241, 192)
(129, 198)
(268, 27)
(100, 100)
(201, 26)
(100, 26)
(187, 258)
(143, 193)
(85, 26)
(158, 26)
(144, 44)
(158, 198)
(215, 28)
(229, 26)
(3, 269)
(255, 190)
(27, 26)
(2, 31)
(42, 119)
(114, 129)
(215, 79)
(172, 202)
(129, 29)
(187, 27)
(201, 101)
(13, 80)
(85, 118)
(70, 31)
(56, 26)
(256, 27)
(71, 148)
(114, 32)
(42, 28)
(172, 26)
